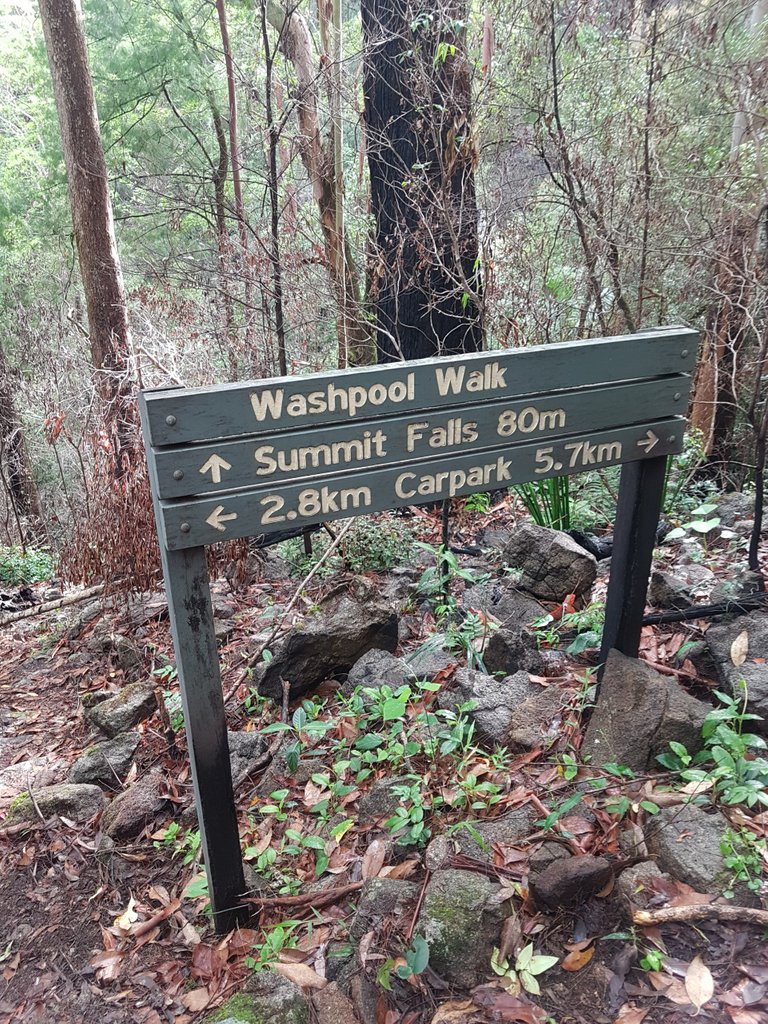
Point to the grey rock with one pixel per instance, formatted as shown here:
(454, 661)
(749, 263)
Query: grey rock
(76, 802)
(508, 830)
(700, 657)
(638, 713)
(734, 506)
(328, 642)
(513, 650)
(224, 630)
(245, 747)
(268, 998)
(437, 853)
(462, 923)
(742, 585)
(686, 842)
(426, 664)
(754, 674)
(634, 885)
(680, 590)
(570, 881)
(90, 698)
(494, 537)
(134, 808)
(333, 1007)
(106, 763)
(494, 700)
(380, 897)
(552, 563)
(535, 721)
(376, 669)
(33, 773)
(133, 704)
(380, 801)
(504, 602)
(127, 655)
(546, 855)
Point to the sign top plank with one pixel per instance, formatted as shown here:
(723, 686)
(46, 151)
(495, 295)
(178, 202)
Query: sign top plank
(184, 415)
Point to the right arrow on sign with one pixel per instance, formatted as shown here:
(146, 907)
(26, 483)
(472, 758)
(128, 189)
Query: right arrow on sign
(217, 518)
(649, 441)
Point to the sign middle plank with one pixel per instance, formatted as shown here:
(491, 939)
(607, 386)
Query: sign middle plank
(219, 466)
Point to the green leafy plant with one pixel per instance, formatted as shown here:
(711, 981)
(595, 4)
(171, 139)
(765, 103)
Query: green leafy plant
(653, 960)
(703, 523)
(274, 941)
(19, 566)
(480, 503)
(528, 965)
(181, 842)
(728, 761)
(586, 623)
(745, 858)
(416, 960)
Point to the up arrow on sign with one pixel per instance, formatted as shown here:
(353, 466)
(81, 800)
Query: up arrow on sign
(214, 465)
(217, 518)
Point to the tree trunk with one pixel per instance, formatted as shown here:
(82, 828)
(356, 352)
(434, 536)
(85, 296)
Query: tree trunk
(92, 222)
(317, 157)
(421, 156)
(16, 466)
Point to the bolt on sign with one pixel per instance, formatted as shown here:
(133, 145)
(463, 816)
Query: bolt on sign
(249, 459)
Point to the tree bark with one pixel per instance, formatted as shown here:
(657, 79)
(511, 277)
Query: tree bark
(317, 156)
(92, 221)
(16, 466)
(421, 156)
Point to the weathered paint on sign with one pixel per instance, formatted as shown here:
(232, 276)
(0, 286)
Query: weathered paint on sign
(193, 414)
(184, 471)
(261, 511)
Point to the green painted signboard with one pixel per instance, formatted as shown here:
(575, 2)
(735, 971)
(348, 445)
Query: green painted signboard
(250, 459)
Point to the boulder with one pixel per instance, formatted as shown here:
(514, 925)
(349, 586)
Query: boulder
(553, 565)
(133, 704)
(680, 590)
(634, 886)
(505, 603)
(426, 663)
(476, 838)
(686, 843)
(333, 1007)
(513, 650)
(328, 642)
(132, 809)
(570, 881)
(380, 801)
(379, 898)
(733, 506)
(494, 701)
(744, 584)
(268, 999)
(106, 763)
(462, 923)
(245, 748)
(753, 672)
(32, 773)
(376, 669)
(638, 713)
(535, 721)
(79, 803)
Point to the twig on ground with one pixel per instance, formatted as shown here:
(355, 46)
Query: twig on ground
(50, 606)
(316, 899)
(702, 912)
(417, 908)
(286, 700)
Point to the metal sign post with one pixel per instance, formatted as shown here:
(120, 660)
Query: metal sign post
(250, 459)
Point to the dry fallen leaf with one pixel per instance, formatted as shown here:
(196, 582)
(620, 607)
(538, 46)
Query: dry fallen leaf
(300, 974)
(739, 648)
(577, 959)
(128, 917)
(195, 1000)
(373, 861)
(699, 983)
(454, 1012)
(632, 1014)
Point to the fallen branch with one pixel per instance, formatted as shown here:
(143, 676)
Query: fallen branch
(315, 899)
(702, 912)
(50, 606)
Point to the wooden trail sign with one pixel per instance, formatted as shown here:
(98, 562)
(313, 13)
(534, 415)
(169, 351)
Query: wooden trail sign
(250, 459)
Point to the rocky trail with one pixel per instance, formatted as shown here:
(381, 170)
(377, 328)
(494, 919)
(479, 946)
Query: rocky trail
(438, 825)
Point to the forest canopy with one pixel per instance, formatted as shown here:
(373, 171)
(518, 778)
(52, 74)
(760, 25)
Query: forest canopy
(296, 188)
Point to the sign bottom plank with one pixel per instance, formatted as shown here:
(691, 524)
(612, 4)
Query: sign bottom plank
(259, 512)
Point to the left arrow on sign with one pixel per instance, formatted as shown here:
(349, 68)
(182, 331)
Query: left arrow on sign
(215, 465)
(217, 518)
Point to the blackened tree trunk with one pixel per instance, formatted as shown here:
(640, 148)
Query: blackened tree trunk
(424, 273)
(92, 222)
